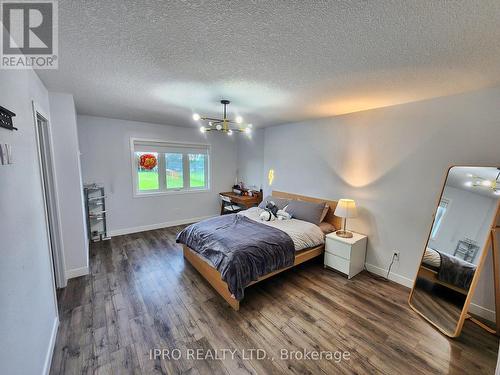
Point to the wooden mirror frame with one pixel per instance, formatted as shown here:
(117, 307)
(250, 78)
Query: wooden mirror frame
(490, 242)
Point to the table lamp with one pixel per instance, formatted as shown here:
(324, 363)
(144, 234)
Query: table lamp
(346, 208)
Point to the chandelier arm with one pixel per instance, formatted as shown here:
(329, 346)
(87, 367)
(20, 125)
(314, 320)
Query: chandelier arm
(218, 120)
(211, 119)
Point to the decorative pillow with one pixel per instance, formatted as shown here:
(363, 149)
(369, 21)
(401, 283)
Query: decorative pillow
(279, 202)
(325, 211)
(326, 227)
(306, 211)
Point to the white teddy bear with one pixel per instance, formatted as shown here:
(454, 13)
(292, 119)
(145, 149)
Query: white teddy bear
(267, 216)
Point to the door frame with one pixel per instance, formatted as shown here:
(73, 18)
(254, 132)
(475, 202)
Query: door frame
(54, 232)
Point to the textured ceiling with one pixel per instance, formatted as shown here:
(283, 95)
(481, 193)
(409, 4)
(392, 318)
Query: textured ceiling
(278, 61)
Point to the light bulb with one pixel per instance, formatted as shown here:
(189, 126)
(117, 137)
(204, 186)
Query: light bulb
(229, 132)
(196, 117)
(202, 129)
(210, 123)
(468, 183)
(250, 126)
(239, 119)
(486, 183)
(218, 127)
(248, 130)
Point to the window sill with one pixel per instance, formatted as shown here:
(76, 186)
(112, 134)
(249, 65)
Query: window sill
(172, 192)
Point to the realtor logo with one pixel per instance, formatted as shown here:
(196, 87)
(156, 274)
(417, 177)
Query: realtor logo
(29, 34)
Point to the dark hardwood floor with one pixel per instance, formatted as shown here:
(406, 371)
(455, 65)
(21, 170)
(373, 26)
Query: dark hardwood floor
(141, 296)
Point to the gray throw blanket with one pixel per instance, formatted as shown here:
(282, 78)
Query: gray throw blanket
(241, 249)
(456, 271)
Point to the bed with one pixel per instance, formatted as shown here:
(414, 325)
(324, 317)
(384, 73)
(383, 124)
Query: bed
(273, 251)
(447, 270)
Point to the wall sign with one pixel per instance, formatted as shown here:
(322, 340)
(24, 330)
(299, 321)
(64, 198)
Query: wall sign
(6, 119)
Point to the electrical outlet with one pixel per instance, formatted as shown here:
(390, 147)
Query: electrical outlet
(396, 256)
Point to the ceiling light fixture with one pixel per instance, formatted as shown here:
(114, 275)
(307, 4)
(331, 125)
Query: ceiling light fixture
(480, 182)
(223, 124)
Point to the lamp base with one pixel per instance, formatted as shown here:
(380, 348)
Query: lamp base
(343, 234)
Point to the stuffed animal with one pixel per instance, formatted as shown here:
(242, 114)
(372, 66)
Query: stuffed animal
(271, 206)
(270, 212)
(283, 215)
(267, 216)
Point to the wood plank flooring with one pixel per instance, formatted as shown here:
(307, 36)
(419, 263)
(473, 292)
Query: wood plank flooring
(141, 296)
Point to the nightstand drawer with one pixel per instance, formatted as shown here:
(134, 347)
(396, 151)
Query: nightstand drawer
(336, 262)
(340, 249)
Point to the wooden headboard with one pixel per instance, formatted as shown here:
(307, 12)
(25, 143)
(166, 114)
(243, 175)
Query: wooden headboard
(330, 217)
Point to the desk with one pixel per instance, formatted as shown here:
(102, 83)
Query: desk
(243, 200)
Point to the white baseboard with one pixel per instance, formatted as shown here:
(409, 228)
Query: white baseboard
(77, 272)
(392, 276)
(482, 312)
(120, 232)
(50, 349)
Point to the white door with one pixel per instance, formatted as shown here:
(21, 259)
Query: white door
(49, 190)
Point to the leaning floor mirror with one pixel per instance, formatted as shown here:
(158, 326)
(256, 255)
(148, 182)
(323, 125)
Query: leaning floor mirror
(463, 231)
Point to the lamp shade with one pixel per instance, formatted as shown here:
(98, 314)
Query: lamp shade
(346, 208)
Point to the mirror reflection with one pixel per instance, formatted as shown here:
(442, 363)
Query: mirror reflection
(453, 253)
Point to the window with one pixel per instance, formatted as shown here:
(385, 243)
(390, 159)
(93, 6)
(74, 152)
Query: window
(167, 167)
(175, 171)
(441, 211)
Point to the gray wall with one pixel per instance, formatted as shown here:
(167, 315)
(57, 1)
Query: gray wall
(468, 215)
(250, 158)
(28, 315)
(392, 161)
(105, 147)
(69, 184)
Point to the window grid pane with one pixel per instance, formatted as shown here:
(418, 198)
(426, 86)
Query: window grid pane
(197, 170)
(147, 179)
(441, 210)
(174, 171)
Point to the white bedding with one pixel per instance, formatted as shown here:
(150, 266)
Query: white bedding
(432, 258)
(302, 233)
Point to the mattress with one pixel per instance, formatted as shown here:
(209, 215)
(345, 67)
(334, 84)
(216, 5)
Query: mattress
(241, 249)
(449, 268)
(303, 234)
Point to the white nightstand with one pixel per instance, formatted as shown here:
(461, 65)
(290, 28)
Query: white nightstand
(346, 255)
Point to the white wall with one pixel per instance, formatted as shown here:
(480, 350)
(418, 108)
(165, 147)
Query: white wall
(250, 159)
(468, 215)
(28, 315)
(392, 161)
(69, 184)
(105, 147)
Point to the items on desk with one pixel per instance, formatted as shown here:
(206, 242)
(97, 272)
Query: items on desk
(240, 189)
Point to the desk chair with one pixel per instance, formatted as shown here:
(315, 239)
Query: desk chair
(227, 207)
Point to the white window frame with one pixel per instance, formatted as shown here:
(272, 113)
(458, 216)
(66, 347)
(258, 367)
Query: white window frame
(161, 169)
(447, 203)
